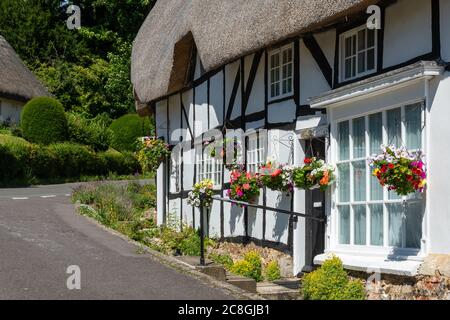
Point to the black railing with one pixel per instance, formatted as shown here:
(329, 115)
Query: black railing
(244, 204)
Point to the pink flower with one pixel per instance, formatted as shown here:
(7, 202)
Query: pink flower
(246, 186)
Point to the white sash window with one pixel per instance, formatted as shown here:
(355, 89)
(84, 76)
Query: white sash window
(367, 214)
(358, 52)
(281, 72)
(209, 167)
(256, 151)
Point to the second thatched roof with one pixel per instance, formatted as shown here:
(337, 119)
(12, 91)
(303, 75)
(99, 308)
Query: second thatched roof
(222, 31)
(16, 80)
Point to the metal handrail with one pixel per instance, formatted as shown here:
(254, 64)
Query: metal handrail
(246, 204)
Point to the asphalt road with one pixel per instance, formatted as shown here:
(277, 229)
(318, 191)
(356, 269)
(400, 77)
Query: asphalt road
(41, 236)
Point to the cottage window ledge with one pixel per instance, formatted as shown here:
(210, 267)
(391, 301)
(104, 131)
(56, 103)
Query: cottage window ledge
(399, 265)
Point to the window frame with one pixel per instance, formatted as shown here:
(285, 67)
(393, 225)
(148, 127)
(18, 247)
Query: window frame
(259, 154)
(342, 58)
(279, 51)
(386, 248)
(203, 156)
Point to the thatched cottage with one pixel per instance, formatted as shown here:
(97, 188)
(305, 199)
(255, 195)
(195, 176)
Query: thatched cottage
(17, 84)
(302, 78)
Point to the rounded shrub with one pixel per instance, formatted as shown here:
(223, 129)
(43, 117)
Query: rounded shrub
(127, 129)
(44, 121)
(331, 282)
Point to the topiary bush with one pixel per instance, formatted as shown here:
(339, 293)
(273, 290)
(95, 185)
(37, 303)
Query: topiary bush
(127, 129)
(331, 282)
(250, 266)
(44, 121)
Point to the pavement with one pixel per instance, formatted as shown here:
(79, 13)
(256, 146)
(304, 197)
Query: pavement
(41, 236)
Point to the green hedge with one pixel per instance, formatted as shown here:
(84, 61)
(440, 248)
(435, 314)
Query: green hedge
(91, 132)
(44, 121)
(127, 129)
(20, 162)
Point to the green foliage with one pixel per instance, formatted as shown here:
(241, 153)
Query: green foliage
(223, 259)
(127, 129)
(43, 121)
(24, 161)
(91, 132)
(87, 69)
(272, 271)
(331, 282)
(250, 266)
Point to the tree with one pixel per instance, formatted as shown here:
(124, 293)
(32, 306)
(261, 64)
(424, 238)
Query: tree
(88, 70)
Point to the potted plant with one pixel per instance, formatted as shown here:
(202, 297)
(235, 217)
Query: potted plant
(151, 152)
(244, 186)
(201, 191)
(400, 170)
(314, 174)
(277, 177)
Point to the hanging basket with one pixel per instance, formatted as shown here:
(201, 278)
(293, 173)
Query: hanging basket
(400, 170)
(244, 186)
(277, 177)
(314, 174)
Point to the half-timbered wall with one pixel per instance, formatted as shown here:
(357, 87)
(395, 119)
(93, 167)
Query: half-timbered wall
(236, 96)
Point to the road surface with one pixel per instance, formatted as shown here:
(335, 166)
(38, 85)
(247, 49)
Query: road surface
(41, 236)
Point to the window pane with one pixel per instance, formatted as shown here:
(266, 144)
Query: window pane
(376, 190)
(353, 45)
(348, 47)
(343, 140)
(361, 40)
(344, 224)
(376, 225)
(413, 124)
(362, 62)
(348, 68)
(344, 182)
(371, 59)
(360, 225)
(394, 129)
(414, 217)
(375, 132)
(395, 224)
(354, 66)
(370, 38)
(359, 180)
(359, 138)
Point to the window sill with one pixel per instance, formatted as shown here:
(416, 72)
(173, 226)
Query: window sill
(402, 266)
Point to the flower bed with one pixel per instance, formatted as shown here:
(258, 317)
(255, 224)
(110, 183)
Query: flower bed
(400, 170)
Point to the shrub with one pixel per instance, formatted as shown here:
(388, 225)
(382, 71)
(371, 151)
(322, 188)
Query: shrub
(249, 267)
(43, 121)
(272, 271)
(223, 259)
(91, 132)
(127, 129)
(120, 163)
(331, 282)
(73, 160)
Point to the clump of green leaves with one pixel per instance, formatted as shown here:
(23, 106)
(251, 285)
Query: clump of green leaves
(331, 282)
(222, 259)
(250, 266)
(272, 271)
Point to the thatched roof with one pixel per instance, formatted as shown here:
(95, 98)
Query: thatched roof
(223, 30)
(16, 80)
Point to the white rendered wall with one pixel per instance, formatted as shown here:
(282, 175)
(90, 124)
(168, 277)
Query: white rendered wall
(312, 81)
(216, 100)
(230, 76)
(438, 158)
(10, 110)
(407, 31)
(256, 101)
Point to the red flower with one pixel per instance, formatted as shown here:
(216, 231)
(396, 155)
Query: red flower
(391, 166)
(308, 160)
(277, 173)
(246, 186)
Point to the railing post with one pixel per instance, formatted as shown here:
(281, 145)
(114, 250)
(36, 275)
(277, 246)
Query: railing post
(202, 234)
